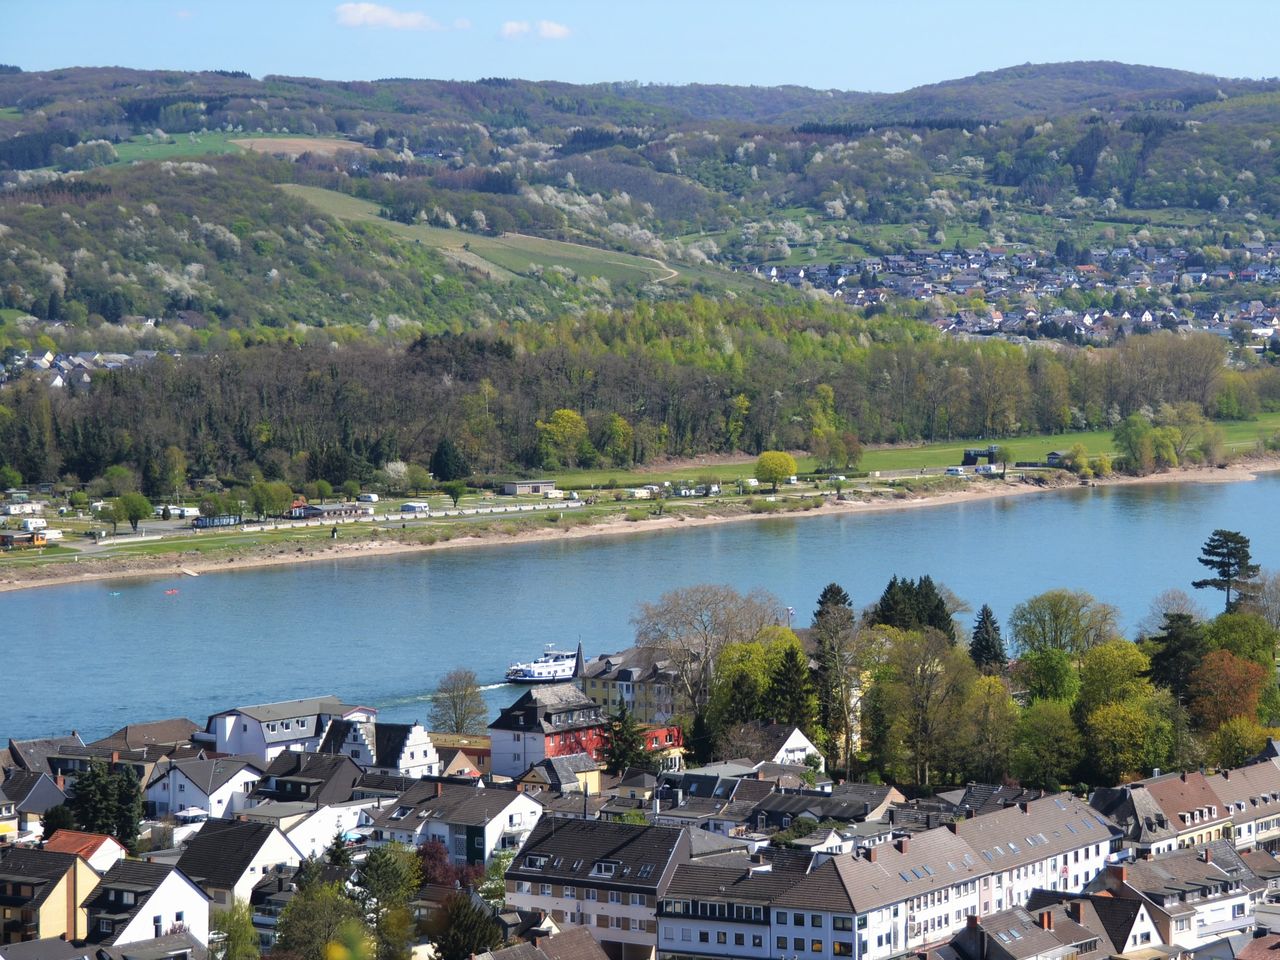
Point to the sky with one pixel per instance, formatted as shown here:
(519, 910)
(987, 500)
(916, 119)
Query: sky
(851, 45)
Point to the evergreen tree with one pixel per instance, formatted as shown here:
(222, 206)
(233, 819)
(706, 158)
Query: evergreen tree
(57, 818)
(791, 691)
(94, 801)
(626, 743)
(912, 605)
(389, 877)
(127, 801)
(468, 930)
(448, 463)
(833, 595)
(337, 853)
(987, 646)
(1178, 651)
(1226, 553)
(932, 609)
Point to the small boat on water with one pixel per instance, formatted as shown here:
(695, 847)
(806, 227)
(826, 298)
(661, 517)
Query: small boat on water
(554, 666)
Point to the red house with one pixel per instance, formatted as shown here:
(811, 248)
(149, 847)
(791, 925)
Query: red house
(547, 721)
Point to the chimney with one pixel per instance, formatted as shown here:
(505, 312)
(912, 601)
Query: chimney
(1207, 856)
(1184, 776)
(115, 756)
(871, 854)
(1120, 872)
(903, 844)
(1075, 911)
(439, 788)
(971, 921)
(1226, 774)
(951, 825)
(1046, 919)
(1024, 806)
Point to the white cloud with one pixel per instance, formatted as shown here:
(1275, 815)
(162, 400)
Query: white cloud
(377, 15)
(462, 23)
(515, 28)
(550, 30)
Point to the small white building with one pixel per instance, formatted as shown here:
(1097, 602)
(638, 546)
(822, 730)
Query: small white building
(227, 857)
(394, 749)
(138, 901)
(266, 730)
(219, 787)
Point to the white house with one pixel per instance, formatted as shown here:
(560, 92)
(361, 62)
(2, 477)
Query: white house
(395, 749)
(218, 787)
(472, 822)
(313, 833)
(268, 729)
(138, 901)
(227, 857)
(98, 850)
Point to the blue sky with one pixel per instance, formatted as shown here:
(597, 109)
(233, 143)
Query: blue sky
(850, 45)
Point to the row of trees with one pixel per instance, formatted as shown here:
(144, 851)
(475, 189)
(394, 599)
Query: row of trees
(892, 693)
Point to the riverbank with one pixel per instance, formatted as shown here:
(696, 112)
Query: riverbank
(180, 563)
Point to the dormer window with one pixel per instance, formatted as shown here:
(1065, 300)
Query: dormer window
(535, 861)
(604, 868)
(401, 813)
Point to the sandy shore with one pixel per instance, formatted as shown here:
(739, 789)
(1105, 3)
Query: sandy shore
(179, 564)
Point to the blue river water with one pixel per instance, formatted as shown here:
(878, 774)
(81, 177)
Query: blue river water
(382, 631)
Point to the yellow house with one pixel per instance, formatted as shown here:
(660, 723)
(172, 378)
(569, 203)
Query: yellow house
(573, 773)
(8, 814)
(639, 678)
(42, 894)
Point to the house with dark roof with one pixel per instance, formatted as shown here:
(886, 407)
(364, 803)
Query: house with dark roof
(1195, 895)
(1017, 934)
(576, 943)
(265, 730)
(137, 901)
(175, 732)
(642, 679)
(472, 821)
(227, 858)
(1164, 813)
(41, 893)
(97, 849)
(309, 778)
(575, 773)
(551, 720)
(399, 749)
(33, 794)
(33, 755)
(606, 877)
(1125, 924)
(218, 787)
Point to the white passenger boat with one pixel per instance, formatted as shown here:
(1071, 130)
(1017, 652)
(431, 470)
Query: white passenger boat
(554, 666)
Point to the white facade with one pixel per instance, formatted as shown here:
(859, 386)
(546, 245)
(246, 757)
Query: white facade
(312, 835)
(512, 752)
(418, 757)
(268, 730)
(795, 748)
(610, 915)
(109, 852)
(172, 790)
(466, 843)
(175, 903)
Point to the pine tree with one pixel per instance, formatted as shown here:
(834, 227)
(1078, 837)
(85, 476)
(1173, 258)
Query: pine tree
(791, 692)
(57, 818)
(626, 743)
(1226, 553)
(896, 607)
(1179, 650)
(932, 608)
(833, 595)
(448, 463)
(987, 646)
(337, 854)
(94, 801)
(127, 815)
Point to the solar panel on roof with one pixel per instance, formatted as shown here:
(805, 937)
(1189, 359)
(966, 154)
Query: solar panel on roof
(928, 869)
(1058, 801)
(903, 875)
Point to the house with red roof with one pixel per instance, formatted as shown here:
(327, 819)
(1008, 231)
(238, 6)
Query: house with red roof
(97, 849)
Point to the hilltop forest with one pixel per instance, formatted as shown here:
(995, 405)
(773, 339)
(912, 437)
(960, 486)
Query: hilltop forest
(295, 339)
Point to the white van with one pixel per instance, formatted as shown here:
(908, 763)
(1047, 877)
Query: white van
(367, 498)
(955, 471)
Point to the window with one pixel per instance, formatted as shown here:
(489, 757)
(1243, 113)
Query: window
(797, 944)
(1237, 910)
(571, 893)
(355, 754)
(591, 894)
(782, 943)
(615, 896)
(104, 926)
(544, 889)
(782, 922)
(179, 917)
(815, 919)
(524, 886)
(844, 923)
(668, 933)
(126, 897)
(757, 940)
(798, 919)
(686, 934)
(156, 925)
(722, 937)
(739, 940)
(704, 937)
(862, 922)
(815, 946)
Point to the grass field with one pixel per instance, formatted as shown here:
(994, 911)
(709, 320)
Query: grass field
(10, 113)
(9, 313)
(1241, 436)
(182, 145)
(513, 254)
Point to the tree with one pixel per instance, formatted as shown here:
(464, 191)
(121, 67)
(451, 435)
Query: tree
(1247, 635)
(468, 930)
(1225, 686)
(110, 513)
(351, 489)
(270, 499)
(1068, 620)
(1236, 741)
(93, 802)
(987, 646)
(338, 854)
(1047, 745)
(1113, 672)
(417, 478)
(134, 507)
(1178, 650)
(1117, 734)
(454, 490)
(626, 743)
(563, 439)
(174, 476)
(986, 734)
(1226, 553)
(914, 604)
(928, 679)
(389, 878)
(492, 888)
(833, 595)
(774, 466)
(844, 654)
(790, 696)
(448, 463)
(457, 705)
(315, 918)
(119, 480)
(1134, 439)
(127, 797)
(57, 818)
(691, 625)
(236, 938)
(1049, 675)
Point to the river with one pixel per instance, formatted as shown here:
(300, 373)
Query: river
(381, 631)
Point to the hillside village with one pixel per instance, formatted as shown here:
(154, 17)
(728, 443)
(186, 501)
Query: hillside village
(763, 855)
